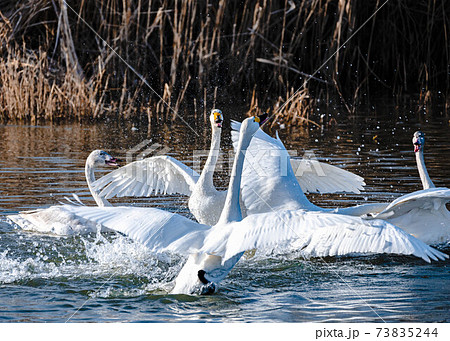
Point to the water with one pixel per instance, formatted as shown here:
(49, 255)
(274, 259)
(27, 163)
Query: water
(99, 278)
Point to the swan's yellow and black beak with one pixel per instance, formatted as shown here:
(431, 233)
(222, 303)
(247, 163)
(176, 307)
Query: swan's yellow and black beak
(261, 119)
(218, 118)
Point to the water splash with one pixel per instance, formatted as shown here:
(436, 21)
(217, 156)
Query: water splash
(92, 257)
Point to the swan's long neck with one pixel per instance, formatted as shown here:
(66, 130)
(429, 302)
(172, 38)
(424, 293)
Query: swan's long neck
(205, 182)
(90, 178)
(424, 177)
(232, 210)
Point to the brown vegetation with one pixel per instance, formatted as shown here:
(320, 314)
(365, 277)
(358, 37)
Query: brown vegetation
(88, 59)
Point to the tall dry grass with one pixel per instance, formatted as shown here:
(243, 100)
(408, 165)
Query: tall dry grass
(197, 54)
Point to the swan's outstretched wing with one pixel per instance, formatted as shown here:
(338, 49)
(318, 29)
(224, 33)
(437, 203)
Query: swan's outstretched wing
(312, 175)
(158, 174)
(319, 234)
(55, 220)
(319, 177)
(268, 181)
(156, 229)
(427, 199)
(360, 210)
(422, 214)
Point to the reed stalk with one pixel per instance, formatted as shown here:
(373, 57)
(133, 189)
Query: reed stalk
(196, 54)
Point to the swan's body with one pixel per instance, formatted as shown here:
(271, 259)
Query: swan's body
(213, 251)
(421, 213)
(56, 219)
(166, 175)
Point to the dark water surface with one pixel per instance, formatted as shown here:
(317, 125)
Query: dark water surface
(99, 278)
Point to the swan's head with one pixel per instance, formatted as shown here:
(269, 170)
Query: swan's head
(251, 125)
(101, 158)
(418, 141)
(216, 118)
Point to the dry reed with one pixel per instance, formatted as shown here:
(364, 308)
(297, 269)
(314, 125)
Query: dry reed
(196, 53)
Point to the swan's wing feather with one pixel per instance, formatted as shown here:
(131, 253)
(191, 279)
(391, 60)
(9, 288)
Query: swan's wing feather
(319, 177)
(55, 220)
(268, 181)
(422, 213)
(158, 174)
(427, 199)
(260, 134)
(157, 229)
(320, 234)
(312, 175)
(362, 210)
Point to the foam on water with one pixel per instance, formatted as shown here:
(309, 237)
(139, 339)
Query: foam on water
(13, 270)
(87, 257)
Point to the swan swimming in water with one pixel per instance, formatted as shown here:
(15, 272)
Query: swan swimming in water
(421, 213)
(55, 219)
(213, 251)
(164, 174)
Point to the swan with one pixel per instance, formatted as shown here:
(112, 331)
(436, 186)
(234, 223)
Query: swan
(214, 250)
(164, 174)
(55, 219)
(421, 213)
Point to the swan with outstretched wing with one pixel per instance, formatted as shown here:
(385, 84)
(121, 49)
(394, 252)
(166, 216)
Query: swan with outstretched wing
(56, 219)
(422, 213)
(166, 175)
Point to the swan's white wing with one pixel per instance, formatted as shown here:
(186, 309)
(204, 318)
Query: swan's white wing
(157, 229)
(361, 210)
(312, 175)
(422, 214)
(319, 177)
(320, 234)
(56, 220)
(427, 199)
(158, 174)
(268, 181)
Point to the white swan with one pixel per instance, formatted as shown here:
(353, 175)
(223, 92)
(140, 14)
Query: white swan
(55, 219)
(421, 213)
(213, 251)
(164, 174)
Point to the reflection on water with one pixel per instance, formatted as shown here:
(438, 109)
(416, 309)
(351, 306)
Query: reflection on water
(45, 278)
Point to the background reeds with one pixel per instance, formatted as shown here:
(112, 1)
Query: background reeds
(197, 54)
